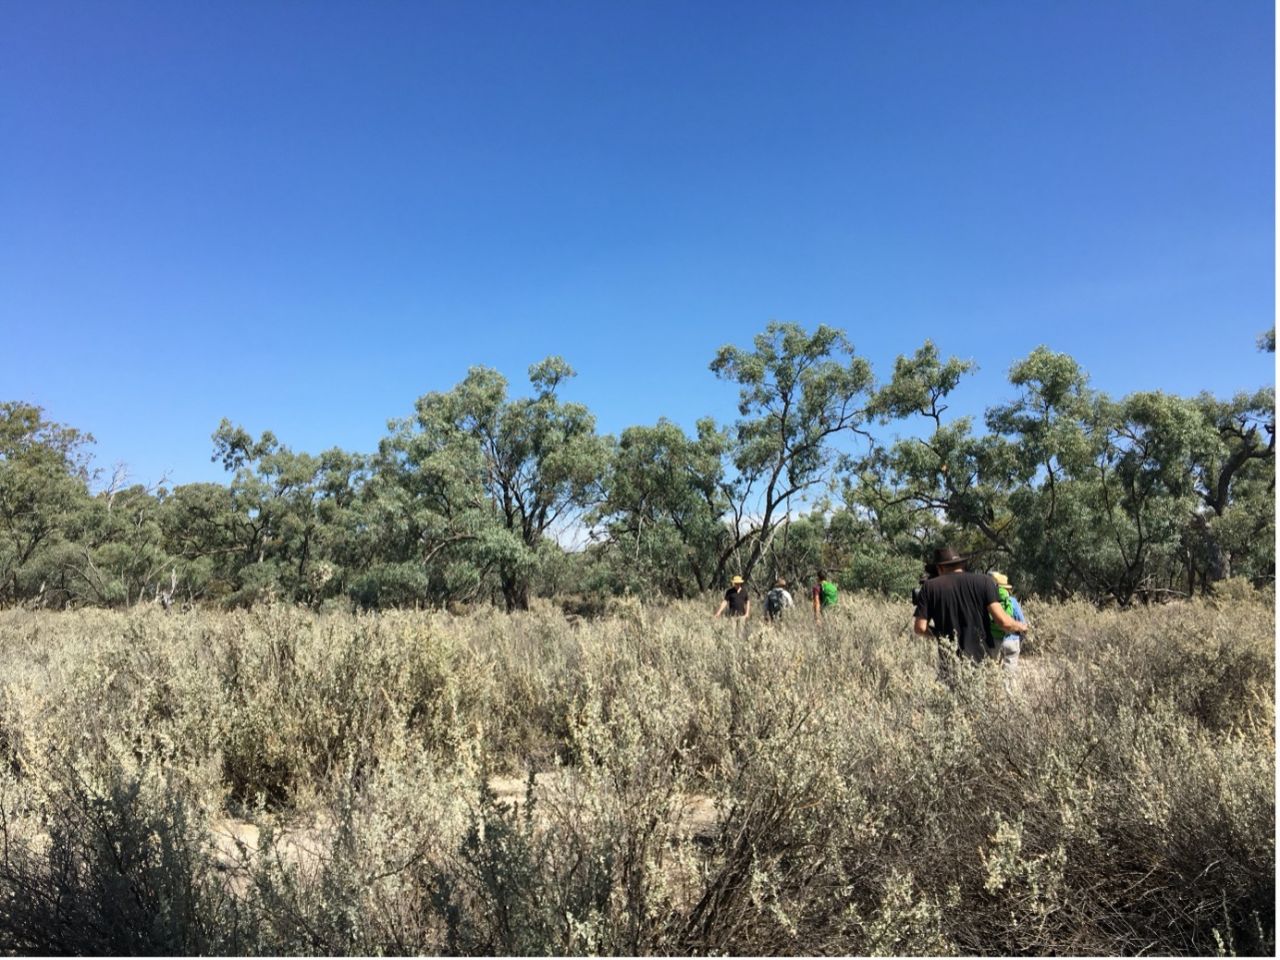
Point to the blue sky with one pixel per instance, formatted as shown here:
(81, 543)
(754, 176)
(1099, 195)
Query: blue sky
(301, 216)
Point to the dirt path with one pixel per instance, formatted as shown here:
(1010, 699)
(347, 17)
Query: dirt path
(697, 816)
(304, 843)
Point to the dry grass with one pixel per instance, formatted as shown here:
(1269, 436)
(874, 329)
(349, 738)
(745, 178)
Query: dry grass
(273, 781)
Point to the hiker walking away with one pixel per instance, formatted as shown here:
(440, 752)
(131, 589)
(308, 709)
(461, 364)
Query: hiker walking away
(1010, 644)
(961, 607)
(825, 594)
(777, 600)
(736, 601)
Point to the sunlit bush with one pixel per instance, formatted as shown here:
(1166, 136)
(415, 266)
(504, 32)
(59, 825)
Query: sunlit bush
(700, 787)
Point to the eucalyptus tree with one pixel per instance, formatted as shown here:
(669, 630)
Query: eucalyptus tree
(1233, 530)
(120, 556)
(1101, 488)
(429, 528)
(947, 482)
(1053, 438)
(1113, 498)
(1143, 492)
(844, 542)
(44, 488)
(663, 509)
(283, 502)
(1235, 484)
(1127, 499)
(798, 393)
(532, 466)
(202, 533)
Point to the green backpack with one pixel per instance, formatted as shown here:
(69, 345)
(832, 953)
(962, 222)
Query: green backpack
(830, 594)
(1006, 601)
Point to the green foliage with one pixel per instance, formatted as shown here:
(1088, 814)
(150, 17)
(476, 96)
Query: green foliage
(919, 490)
(797, 392)
(291, 510)
(663, 509)
(919, 385)
(488, 478)
(43, 489)
(480, 497)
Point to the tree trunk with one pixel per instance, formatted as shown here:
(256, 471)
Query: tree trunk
(1219, 564)
(515, 592)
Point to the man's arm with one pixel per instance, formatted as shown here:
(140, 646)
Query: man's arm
(723, 605)
(1003, 620)
(921, 627)
(747, 615)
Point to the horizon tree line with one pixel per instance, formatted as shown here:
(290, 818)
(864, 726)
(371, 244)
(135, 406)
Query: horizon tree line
(1071, 492)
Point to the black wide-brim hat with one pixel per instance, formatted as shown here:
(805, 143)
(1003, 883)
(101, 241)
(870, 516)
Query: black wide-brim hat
(946, 557)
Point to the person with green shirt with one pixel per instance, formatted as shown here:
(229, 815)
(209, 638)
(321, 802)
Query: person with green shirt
(1010, 643)
(825, 594)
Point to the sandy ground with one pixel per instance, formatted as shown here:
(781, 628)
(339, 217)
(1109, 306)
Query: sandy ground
(237, 843)
(698, 815)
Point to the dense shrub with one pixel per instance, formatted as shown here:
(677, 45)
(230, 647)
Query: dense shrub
(699, 787)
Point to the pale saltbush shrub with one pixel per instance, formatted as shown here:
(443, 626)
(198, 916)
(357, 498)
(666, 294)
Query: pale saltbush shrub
(1118, 797)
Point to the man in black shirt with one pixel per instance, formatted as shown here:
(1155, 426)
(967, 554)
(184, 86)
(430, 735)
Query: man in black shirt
(736, 601)
(960, 607)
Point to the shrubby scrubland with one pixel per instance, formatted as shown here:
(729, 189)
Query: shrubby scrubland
(279, 781)
(293, 713)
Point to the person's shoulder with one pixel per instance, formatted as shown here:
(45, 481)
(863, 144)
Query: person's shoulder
(985, 583)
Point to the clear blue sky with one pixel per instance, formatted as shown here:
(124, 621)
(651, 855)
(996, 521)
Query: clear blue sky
(301, 216)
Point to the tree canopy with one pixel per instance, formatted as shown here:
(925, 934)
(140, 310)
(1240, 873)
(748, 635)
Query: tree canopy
(479, 496)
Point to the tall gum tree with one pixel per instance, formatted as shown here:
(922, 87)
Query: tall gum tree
(286, 503)
(925, 487)
(44, 477)
(798, 391)
(1143, 490)
(1050, 438)
(662, 516)
(539, 461)
(1241, 459)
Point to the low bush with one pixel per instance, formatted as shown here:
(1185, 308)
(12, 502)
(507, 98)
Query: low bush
(691, 786)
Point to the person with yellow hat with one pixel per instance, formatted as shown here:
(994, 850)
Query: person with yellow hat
(736, 601)
(1010, 643)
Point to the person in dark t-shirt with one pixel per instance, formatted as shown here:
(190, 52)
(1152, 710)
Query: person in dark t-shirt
(736, 601)
(960, 606)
